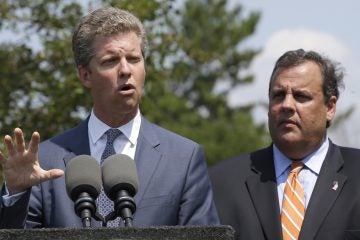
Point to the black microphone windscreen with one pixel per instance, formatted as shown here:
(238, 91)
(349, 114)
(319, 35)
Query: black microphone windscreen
(83, 174)
(119, 173)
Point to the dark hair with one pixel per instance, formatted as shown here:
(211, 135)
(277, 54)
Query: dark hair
(104, 22)
(332, 73)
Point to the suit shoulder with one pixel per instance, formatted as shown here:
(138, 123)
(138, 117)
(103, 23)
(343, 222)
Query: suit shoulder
(242, 163)
(63, 137)
(350, 150)
(234, 166)
(55, 148)
(170, 137)
(350, 154)
(58, 140)
(233, 162)
(238, 161)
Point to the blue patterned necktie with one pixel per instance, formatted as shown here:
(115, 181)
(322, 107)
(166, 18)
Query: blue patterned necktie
(105, 205)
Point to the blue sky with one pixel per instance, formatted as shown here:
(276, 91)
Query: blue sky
(329, 27)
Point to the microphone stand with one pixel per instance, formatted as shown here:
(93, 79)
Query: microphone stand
(112, 216)
(85, 208)
(124, 206)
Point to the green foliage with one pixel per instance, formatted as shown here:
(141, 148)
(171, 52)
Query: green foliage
(42, 90)
(199, 50)
(194, 49)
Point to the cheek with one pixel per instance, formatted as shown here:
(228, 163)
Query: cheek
(273, 110)
(313, 121)
(270, 113)
(140, 80)
(102, 86)
(272, 116)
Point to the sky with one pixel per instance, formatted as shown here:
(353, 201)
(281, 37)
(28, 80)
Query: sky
(328, 27)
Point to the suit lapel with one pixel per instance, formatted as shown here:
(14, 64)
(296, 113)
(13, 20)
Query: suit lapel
(263, 192)
(75, 141)
(147, 156)
(327, 188)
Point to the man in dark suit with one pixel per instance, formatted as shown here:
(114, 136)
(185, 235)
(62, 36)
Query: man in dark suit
(256, 193)
(109, 46)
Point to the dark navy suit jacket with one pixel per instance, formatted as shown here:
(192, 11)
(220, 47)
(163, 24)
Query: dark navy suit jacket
(174, 187)
(246, 196)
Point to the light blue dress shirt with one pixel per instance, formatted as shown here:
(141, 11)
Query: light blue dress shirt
(307, 176)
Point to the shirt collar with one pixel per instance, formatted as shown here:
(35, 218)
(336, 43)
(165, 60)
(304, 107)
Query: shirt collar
(97, 128)
(313, 161)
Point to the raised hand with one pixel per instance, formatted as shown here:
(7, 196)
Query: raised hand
(21, 169)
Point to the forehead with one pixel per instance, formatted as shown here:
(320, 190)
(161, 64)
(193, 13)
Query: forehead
(307, 74)
(127, 42)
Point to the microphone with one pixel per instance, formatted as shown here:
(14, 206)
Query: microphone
(120, 181)
(83, 185)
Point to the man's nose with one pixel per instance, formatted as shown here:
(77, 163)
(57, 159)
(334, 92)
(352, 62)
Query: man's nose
(288, 102)
(124, 68)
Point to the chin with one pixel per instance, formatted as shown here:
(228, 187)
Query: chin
(288, 140)
(129, 108)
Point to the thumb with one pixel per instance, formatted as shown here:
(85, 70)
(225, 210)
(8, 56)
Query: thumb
(53, 173)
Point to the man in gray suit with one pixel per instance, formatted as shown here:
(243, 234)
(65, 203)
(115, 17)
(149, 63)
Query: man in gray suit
(109, 46)
(257, 194)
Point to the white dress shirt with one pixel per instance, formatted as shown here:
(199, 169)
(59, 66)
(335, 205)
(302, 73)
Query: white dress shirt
(125, 143)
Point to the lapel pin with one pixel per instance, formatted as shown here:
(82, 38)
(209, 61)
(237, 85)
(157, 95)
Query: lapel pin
(335, 185)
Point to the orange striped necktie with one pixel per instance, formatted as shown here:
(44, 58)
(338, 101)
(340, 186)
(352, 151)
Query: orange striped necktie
(293, 206)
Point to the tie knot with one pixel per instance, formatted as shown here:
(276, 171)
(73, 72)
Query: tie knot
(296, 167)
(112, 134)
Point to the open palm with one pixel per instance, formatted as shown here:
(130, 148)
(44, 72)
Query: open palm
(21, 168)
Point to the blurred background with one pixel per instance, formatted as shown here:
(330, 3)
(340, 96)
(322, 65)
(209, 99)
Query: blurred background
(208, 65)
(325, 26)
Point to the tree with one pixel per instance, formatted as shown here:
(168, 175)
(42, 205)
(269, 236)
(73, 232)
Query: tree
(195, 59)
(42, 90)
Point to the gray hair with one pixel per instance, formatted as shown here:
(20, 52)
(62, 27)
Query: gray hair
(104, 22)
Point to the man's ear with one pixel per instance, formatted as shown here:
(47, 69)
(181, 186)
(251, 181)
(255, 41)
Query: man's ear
(84, 75)
(331, 108)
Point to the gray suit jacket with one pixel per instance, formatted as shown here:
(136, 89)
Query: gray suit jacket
(246, 197)
(174, 187)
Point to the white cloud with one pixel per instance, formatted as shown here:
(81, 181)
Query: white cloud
(308, 39)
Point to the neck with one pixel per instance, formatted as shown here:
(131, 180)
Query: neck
(298, 151)
(115, 120)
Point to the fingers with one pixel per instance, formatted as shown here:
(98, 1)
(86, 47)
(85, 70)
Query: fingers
(34, 142)
(18, 143)
(19, 139)
(9, 145)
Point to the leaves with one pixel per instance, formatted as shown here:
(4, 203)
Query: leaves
(195, 47)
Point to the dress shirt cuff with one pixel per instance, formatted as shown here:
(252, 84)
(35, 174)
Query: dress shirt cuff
(10, 200)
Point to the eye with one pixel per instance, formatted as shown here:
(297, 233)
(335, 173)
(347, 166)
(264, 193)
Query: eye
(110, 60)
(277, 95)
(302, 97)
(133, 59)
